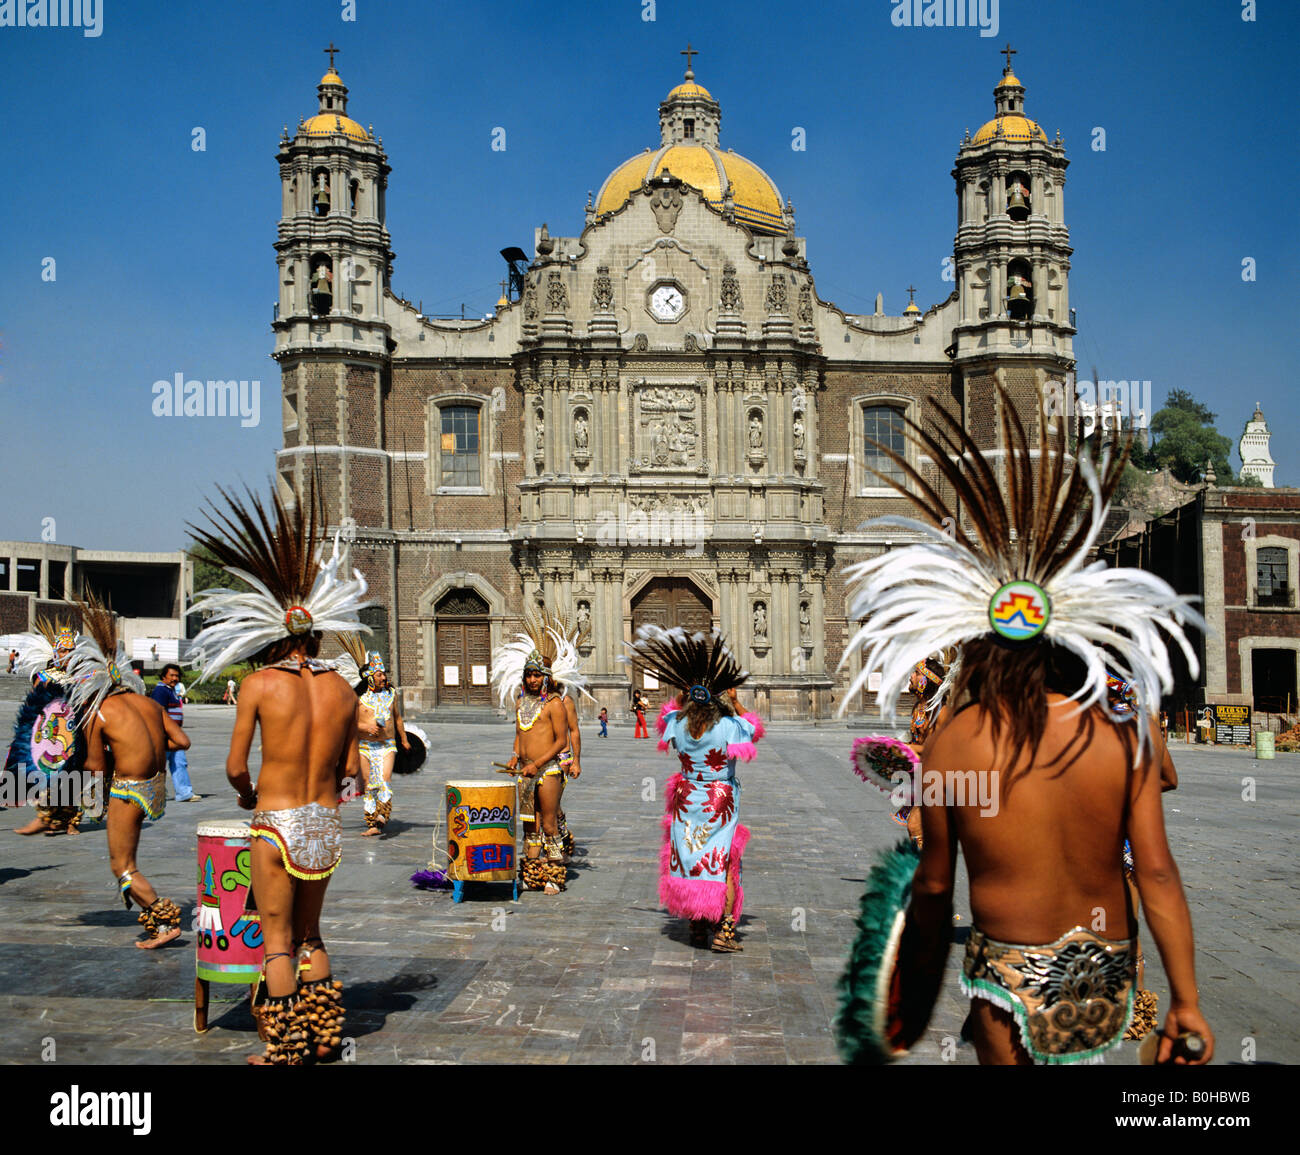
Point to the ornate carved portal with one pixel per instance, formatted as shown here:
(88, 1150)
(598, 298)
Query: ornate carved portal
(462, 649)
(668, 602)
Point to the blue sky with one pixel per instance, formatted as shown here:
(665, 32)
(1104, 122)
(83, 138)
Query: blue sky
(164, 261)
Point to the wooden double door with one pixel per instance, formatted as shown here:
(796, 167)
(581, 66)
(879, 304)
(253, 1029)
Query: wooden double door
(463, 645)
(668, 602)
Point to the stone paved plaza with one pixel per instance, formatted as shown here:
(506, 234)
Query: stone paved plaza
(600, 974)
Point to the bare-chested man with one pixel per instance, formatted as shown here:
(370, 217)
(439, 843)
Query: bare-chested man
(127, 739)
(308, 719)
(307, 716)
(1039, 789)
(1043, 846)
(541, 733)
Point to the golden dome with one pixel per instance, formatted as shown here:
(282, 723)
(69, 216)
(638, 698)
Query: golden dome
(690, 89)
(331, 77)
(912, 307)
(329, 123)
(1014, 128)
(1009, 78)
(758, 203)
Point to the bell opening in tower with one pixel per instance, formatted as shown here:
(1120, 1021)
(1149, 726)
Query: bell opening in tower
(1018, 196)
(322, 286)
(1020, 289)
(321, 196)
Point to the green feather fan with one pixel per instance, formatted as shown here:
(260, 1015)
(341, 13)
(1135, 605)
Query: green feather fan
(864, 987)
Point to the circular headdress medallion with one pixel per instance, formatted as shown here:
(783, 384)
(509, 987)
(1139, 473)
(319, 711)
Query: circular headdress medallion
(700, 694)
(1019, 611)
(297, 620)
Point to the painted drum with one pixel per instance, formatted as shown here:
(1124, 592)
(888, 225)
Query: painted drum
(228, 937)
(409, 761)
(481, 831)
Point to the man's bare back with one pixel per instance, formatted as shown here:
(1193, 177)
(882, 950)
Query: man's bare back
(308, 730)
(137, 731)
(1048, 852)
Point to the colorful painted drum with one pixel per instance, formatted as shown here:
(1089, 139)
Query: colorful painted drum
(481, 831)
(229, 937)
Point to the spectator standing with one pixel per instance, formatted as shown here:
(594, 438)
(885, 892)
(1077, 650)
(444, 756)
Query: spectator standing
(166, 695)
(229, 695)
(639, 706)
(604, 722)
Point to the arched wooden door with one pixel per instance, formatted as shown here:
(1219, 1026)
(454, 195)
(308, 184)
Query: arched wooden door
(463, 645)
(668, 602)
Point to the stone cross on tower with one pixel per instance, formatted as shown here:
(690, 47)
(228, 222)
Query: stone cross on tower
(688, 52)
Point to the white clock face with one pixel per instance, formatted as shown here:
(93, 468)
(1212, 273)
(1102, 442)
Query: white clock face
(667, 303)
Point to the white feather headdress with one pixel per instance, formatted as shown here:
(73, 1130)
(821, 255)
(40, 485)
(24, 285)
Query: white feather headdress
(93, 674)
(313, 593)
(508, 661)
(938, 592)
(566, 667)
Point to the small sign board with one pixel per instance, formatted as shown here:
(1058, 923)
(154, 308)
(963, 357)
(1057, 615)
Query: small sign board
(649, 681)
(451, 675)
(1232, 725)
(478, 675)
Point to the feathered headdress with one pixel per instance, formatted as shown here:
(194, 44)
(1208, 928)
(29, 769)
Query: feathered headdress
(353, 663)
(699, 665)
(1023, 580)
(99, 665)
(36, 650)
(534, 649)
(295, 589)
(566, 668)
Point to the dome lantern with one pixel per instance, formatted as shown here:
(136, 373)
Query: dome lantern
(689, 122)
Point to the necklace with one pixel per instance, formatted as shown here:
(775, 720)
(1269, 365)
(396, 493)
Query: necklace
(519, 712)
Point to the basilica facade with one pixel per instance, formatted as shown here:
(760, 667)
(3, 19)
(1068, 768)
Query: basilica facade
(663, 421)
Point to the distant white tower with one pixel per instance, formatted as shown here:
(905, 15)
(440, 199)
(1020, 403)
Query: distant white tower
(1256, 461)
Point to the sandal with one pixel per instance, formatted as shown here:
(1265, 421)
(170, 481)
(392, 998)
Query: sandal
(724, 942)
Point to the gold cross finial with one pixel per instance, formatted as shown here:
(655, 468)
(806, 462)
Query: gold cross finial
(688, 52)
(911, 294)
(331, 50)
(1008, 52)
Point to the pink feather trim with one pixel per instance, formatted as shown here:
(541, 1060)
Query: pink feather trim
(694, 897)
(757, 722)
(745, 751)
(663, 746)
(661, 724)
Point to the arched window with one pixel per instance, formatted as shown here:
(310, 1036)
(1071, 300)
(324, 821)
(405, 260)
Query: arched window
(460, 445)
(882, 424)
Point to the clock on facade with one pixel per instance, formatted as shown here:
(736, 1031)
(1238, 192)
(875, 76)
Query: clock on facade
(667, 302)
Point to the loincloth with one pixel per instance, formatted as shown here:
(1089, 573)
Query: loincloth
(376, 751)
(150, 794)
(1072, 999)
(528, 788)
(309, 838)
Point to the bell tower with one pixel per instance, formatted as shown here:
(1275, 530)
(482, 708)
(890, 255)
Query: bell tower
(1012, 257)
(332, 339)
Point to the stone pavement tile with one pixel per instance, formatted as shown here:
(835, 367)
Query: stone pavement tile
(705, 1047)
(815, 1050)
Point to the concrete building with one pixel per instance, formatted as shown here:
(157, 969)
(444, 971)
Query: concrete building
(664, 421)
(1256, 460)
(148, 591)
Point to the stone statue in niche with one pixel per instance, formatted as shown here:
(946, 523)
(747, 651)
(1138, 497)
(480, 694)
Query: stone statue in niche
(755, 431)
(797, 430)
(539, 435)
(760, 621)
(805, 623)
(798, 399)
(580, 436)
(584, 617)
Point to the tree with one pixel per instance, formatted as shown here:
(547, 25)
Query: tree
(1185, 439)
